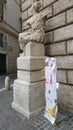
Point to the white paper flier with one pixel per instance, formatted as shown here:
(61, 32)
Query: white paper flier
(51, 85)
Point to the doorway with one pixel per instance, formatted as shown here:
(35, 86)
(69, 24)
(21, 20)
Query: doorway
(2, 64)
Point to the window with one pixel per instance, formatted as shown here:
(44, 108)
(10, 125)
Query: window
(3, 40)
(1, 10)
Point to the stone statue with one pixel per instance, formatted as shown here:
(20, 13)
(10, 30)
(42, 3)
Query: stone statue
(37, 24)
(28, 85)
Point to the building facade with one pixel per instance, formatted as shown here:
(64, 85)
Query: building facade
(10, 26)
(58, 43)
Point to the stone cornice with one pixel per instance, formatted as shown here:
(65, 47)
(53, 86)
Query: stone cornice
(4, 27)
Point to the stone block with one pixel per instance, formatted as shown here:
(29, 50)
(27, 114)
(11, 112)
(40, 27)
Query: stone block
(26, 4)
(24, 15)
(70, 15)
(29, 102)
(49, 37)
(70, 47)
(29, 12)
(62, 5)
(63, 33)
(62, 76)
(55, 22)
(34, 49)
(56, 49)
(70, 77)
(47, 11)
(65, 62)
(30, 63)
(33, 76)
(65, 97)
(48, 2)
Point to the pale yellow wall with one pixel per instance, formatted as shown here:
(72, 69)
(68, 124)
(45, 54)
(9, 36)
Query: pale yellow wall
(10, 26)
(13, 53)
(12, 14)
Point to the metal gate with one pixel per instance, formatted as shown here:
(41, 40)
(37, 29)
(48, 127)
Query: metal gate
(2, 64)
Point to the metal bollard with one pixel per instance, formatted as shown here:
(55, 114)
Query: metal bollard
(7, 83)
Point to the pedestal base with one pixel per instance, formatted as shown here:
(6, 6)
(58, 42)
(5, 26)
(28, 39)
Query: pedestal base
(29, 88)
(27, 113)
(29, 98)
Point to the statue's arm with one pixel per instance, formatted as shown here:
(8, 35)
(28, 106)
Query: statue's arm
(44, 16)
(43, 21)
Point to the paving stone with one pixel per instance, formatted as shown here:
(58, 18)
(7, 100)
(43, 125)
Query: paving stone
(12, 120)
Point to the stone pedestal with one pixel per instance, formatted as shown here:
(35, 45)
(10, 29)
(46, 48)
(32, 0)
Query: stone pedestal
(29, 88)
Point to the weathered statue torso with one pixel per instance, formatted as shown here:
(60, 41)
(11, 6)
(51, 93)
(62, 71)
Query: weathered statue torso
(37, 25)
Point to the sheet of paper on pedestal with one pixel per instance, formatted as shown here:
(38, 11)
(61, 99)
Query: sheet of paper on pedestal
(51, 86)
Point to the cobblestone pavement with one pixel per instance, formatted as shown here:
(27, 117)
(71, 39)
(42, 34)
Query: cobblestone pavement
(12, 120)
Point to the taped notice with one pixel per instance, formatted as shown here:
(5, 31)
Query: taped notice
(50, 75)
(51, 114)
(51, 86)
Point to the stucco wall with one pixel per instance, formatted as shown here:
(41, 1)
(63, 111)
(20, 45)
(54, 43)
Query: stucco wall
(58, 43)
